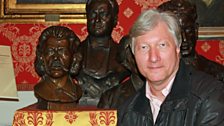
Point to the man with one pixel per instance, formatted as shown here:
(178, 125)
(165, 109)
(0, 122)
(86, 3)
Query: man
(115, 96)
(187, 16)
(56, 61)
(100, 70)
(174, 94)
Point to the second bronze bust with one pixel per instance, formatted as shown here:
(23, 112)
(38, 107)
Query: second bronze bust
(100, 69)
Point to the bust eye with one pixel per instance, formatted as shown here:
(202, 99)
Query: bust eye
(49, 51)
(188, 30)
(103, 14)
(61, 50)
(92, 15)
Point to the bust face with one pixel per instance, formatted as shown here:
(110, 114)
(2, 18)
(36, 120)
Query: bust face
(186, 14)
(100, 18)
(189, 31)
(57, 57)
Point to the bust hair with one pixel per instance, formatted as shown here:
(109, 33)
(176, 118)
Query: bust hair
(180, 7)
(113, 3)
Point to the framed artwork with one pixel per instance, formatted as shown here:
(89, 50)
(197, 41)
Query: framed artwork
(210, 12)
(210, 18)
(50, 1)
(23, 11)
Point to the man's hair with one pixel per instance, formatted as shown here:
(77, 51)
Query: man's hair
(149, 19)
(60, 33)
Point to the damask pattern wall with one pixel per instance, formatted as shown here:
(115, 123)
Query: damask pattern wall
(23, 40)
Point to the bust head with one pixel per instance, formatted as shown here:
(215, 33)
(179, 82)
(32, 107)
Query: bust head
(102, 16)
(57, 59)
(125, 56)
(56, 52)
(187, 15)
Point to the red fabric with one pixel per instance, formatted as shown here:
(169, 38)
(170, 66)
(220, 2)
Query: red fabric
(211, 49)
(23, 40)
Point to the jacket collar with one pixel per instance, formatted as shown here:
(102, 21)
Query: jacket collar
(181, 84)
(178, 97)
(179, 92)
(141, 104)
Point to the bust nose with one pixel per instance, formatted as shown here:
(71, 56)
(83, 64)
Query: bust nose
(56, 54)
(184, 37)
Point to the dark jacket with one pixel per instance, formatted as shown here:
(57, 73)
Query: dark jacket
(115, 96)
(196, 99)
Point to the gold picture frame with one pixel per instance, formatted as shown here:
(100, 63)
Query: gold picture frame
(11, 12)
(33, 13)
(211, 33)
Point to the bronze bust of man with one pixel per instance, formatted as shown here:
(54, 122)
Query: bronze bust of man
(187, 15)
(115, 96)
(100, 70)
(56, 61)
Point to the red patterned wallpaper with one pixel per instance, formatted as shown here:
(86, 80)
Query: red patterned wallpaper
(23, 40)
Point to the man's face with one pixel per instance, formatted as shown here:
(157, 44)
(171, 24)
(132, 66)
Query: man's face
(100, 19)
(57, 57)
(157, 55)
(189, 32)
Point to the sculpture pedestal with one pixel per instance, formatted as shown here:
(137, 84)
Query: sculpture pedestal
(82, 116)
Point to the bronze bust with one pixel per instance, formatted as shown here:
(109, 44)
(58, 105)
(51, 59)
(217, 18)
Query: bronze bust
(100, 70)
(57, 60)
(115, 96)
(187, 15)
